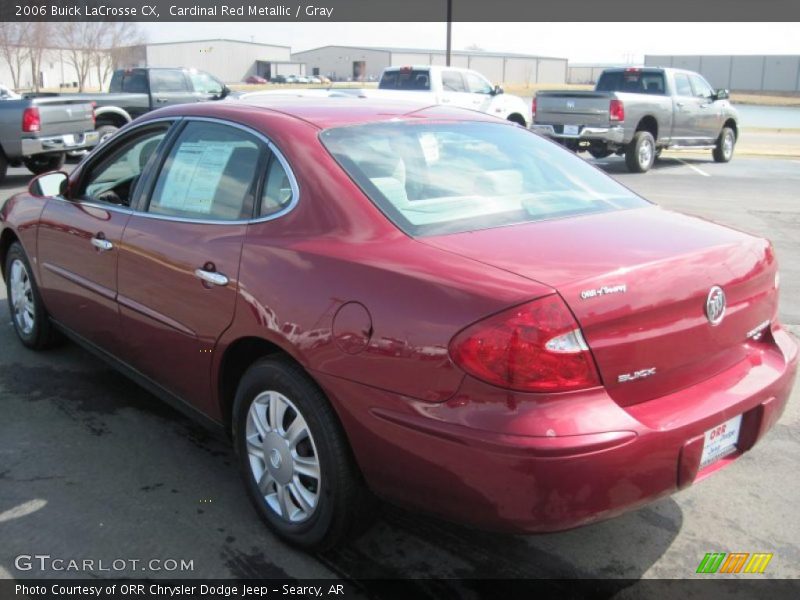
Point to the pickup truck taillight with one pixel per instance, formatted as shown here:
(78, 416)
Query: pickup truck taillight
(94, 116)
(535, 347)
(533, 107)
(616, 111)
(31, 120)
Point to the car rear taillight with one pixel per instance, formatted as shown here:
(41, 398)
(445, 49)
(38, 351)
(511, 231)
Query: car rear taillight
(31, 120)
(616, 111)
(533, 107)
(535, 347)
(94, 115)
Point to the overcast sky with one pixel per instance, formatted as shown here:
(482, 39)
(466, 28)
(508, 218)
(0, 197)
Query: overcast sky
(580, 42)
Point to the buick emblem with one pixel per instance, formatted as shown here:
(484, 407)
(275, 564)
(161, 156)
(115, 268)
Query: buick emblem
(715, 305)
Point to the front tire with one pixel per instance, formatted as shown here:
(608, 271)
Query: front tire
(44, 163)
(28, 315)
(726, 142)
(641, 152)
(295, 460)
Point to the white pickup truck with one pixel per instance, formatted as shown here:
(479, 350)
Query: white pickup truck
(452, 86)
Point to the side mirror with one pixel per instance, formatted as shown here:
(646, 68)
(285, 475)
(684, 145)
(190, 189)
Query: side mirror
(48, 184)
(224, 93)
(497, 90)
(722, 95)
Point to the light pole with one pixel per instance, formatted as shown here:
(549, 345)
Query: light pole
(449, 29)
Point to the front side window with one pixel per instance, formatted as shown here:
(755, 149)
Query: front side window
(210, 173)
(205, 83)
(438, 178)
(477, 84)
(114, 179)
(701, 87)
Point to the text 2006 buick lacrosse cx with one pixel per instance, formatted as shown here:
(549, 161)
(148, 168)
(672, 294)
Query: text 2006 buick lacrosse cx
(422, 304)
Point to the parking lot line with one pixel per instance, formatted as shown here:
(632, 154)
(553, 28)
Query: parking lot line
(693, 168)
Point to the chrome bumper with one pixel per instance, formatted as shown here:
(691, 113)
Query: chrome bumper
(614, 135)
(59, 143)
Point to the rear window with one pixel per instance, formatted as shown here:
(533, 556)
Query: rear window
(634, 82)
(438, 178)
(405, 79)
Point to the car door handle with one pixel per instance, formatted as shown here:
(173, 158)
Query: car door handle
(102, 244)
(679, 104)
(445, 100)
(211, 277)
(161, 100)
(705, 106)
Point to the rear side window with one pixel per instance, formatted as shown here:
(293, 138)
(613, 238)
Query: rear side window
(210, 173)
(277, 193)
(405, 79)
(632, 82)
(453, 82)
(132, 81)
(168, 81)
(682, 85)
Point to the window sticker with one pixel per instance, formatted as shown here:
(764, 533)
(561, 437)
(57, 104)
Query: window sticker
(194, 176)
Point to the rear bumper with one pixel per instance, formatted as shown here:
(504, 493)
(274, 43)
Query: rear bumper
(59, 143)
(526, 463)
(614, 135)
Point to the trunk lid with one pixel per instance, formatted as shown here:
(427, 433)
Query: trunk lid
(638, 282)
(573, 108)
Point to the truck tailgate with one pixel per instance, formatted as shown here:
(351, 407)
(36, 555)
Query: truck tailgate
(572, 108)
(63, 116)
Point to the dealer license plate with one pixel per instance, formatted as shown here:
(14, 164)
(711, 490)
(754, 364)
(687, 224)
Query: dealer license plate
(720, 441)
(572, 129)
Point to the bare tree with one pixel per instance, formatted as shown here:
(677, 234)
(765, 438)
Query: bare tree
(116, 35)
(38, 40)
(13, 48)
(82, 40)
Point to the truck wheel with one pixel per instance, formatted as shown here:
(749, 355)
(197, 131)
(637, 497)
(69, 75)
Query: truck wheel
(106, 131)
(723, 151)
(641, 152)
(43, 163)
(599, 153)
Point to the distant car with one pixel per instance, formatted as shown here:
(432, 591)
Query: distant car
(291, 79)
(324, 79)
(314, 79)
(303, 79)
(426, 302)
(255, 79)
(278, 79)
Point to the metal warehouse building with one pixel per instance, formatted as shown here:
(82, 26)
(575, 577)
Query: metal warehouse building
(769, 73)
(359, 63)
(229, 60)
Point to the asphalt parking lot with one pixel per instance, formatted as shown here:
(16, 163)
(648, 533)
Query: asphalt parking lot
(91, 466)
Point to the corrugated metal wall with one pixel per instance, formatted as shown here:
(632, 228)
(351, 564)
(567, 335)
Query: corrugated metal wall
(770, 73)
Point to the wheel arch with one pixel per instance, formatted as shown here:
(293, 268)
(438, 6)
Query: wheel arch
(7, 237)
(111, 116)
(650, 124)
(517, 118)
(730, 122)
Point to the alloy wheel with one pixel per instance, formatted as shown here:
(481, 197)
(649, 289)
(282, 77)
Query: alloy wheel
(22, 297)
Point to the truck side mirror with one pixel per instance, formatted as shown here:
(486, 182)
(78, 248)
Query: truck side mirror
(225, 92)
(497, 90)
(722, 95)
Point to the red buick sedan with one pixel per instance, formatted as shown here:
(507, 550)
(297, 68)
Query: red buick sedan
(424, 304)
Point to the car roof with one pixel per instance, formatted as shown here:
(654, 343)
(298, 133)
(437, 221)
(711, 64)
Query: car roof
(325, 112)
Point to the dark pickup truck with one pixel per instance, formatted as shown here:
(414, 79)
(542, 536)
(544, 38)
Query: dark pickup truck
(36, 132)
(134, 92)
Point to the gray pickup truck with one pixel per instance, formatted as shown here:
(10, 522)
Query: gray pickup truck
(36, 132)
(638, 112)
(134, 92)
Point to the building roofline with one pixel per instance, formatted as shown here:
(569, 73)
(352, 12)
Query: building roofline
(489, 54)
(206, 41)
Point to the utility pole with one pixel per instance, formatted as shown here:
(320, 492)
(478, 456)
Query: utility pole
(449, 29)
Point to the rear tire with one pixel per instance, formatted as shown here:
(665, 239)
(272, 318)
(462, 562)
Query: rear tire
(106, 131)
(726, 142)
(28, 314)
(44, 163)
(297, 465)
(641, 152)
(599, 153)
(3, 166)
